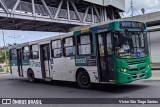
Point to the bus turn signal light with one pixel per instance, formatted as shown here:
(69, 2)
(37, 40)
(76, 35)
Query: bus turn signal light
(123, 70)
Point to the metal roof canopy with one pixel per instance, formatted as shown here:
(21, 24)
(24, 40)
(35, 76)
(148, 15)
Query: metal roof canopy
(152, 19)
(55, 15)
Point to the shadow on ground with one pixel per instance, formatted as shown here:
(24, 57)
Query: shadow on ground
(96, 87)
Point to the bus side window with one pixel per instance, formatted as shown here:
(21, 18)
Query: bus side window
(13, 54)
(56, 49)
(69, 46)
(34, 52)
(84, 44)
(26, 53)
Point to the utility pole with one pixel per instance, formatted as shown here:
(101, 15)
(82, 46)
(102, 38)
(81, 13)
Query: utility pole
(4, 44)
(132, 10)
(4, 47)
(14, 37)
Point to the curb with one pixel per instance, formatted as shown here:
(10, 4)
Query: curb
(2, 72)
(154, 78)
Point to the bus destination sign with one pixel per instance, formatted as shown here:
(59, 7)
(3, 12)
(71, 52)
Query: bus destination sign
(128, 24)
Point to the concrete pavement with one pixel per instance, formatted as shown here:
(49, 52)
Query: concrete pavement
(14, 87)
(155, 75)
(3, 72)
(11, 86)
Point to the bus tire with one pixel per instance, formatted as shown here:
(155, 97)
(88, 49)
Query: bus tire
(83, 80)
(31, 76)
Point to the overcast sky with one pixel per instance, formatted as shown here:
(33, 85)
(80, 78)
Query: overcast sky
(148, 5)
(24, 36)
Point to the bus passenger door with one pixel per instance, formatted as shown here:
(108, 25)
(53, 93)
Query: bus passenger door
(105, 58)
(19, 62)
(45, 60)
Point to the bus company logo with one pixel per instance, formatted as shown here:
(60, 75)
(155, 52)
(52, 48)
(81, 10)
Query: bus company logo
(35, 64)
(6, 101)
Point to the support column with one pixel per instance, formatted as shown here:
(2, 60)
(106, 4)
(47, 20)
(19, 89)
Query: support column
(76, 11)
(113, 17)
(33, 8)
(105, 14)
(68, 11)
(15, 6)
(58, 10)
(48, 10)
(96, 10)
(92, 13)
(4, 7)
(85, 15)
(102, 15)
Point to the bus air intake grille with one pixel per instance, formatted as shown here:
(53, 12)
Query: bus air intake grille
(136, 62)
(142, 68)
(135, 76)
(136, 69)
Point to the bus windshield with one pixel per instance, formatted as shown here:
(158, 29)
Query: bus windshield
(131, 44)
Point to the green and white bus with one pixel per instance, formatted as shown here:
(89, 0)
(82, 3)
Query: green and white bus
(111, 53)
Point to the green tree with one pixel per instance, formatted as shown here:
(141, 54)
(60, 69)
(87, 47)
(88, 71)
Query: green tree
(2, 56)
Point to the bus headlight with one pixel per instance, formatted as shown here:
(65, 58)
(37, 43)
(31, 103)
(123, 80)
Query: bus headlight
(123, 69)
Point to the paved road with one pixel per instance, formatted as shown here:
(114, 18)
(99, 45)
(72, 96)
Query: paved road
(13, 87)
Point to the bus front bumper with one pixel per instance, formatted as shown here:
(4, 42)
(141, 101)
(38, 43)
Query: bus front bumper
(122, 77)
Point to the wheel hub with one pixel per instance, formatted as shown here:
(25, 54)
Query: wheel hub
(84, 80)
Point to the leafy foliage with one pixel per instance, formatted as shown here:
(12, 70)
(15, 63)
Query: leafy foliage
(2, 56)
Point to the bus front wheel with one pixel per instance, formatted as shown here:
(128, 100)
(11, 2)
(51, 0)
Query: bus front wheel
(31, 77)
(83, 80)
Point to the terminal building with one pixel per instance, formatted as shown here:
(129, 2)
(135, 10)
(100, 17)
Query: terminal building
(154, 44)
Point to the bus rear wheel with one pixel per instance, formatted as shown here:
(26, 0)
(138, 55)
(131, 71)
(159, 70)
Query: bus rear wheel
(31, 77)
(83, 80)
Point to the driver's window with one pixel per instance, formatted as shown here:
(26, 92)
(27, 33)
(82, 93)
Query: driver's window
(109, 44)
(122, 44)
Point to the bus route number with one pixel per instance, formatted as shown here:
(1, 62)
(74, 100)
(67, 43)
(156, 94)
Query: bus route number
(79, 61)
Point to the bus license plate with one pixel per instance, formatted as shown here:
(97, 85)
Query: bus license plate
(139, 74)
